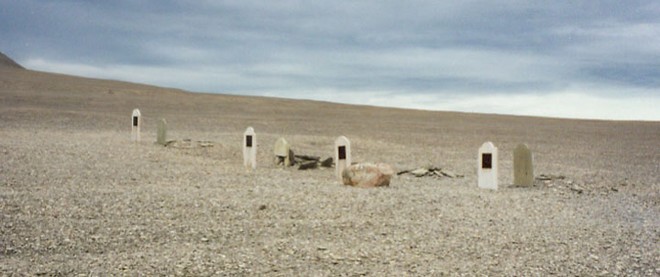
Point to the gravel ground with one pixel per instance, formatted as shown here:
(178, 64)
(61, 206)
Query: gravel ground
(77, 197)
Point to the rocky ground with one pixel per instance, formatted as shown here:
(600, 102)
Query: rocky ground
(77, 197)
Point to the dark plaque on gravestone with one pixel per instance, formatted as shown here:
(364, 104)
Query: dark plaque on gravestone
(248, 141)
(135, 121)
(341, 152)
(486, 160)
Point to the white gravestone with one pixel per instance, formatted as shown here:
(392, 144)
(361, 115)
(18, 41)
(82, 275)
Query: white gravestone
(250, 148)
(136, 121)
(342, 155)
(523, 166)
(162, 132)
(487, 167)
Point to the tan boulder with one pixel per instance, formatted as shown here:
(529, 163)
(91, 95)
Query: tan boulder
(367, 175)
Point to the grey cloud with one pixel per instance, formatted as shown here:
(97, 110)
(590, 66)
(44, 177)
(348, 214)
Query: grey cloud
(468, 47)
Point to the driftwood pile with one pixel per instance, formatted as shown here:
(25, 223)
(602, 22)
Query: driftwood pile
(188, 143)
(305, 162)
(430, 171)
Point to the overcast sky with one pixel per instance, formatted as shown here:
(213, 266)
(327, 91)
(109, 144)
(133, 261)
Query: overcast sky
(577, 59)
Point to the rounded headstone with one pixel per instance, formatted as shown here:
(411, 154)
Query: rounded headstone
(282, 151)
(523, 166)
(162, 132)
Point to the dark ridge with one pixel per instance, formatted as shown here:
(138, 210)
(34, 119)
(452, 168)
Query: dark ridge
(8, 62)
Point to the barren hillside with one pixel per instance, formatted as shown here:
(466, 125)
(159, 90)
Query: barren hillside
(8, 62)
(78, 197)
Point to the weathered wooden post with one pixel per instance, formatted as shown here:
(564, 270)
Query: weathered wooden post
(342, 155)
(250, 148)
(136, 122)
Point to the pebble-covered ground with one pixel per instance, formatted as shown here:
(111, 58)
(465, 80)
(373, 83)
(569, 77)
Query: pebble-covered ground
(77, 197)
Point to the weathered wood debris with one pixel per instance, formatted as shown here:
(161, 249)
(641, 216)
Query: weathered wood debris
(305, 162)
(430, 171)
(188, 143)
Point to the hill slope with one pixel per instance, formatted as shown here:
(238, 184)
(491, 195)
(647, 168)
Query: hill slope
(8, 62)
(78, 197)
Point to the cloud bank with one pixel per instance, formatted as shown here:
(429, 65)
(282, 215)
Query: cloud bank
(577, 60)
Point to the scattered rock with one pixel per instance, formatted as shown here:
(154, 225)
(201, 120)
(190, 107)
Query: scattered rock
(188, 143)
(202, 143)
(543, 177)
(577, 189)
(547, 177)
(420, 172)
(367, 175)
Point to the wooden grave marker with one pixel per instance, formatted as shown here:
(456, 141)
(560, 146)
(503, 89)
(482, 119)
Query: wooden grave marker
(487, 166)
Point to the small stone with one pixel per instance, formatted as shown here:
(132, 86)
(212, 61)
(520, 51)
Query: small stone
(543, 177)
(420, 172)
(205, 144)
(577, 189)
(262, 207)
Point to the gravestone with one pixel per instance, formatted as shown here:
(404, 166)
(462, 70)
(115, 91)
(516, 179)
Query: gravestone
(136, 121)
(342, 155)
(487, 166)
(250, 148)
(523, 166)
(282, 152)
(162, 132)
